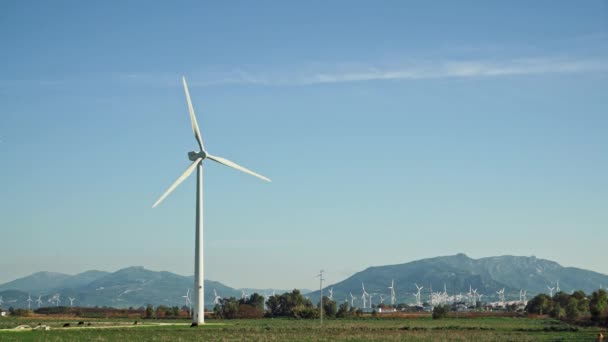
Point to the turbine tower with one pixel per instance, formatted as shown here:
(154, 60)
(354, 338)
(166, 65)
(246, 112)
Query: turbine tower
(364, 295)
(217, 298)
(392, 287)
(1, 301)
(29, 301)
(418, 294)
(352, 300)
(197, 159)
(188, 301)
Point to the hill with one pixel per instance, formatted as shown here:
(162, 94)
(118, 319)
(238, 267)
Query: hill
(48, 281)
(457, 272)
(132, 286)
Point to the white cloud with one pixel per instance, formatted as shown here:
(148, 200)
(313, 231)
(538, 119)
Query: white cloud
(342, 73)
(409, 71)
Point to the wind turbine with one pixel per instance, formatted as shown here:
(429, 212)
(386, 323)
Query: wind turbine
(71, 301)
(392, 287)
(243, 294)
(418, 294)
(331, 293)
(29, 301)
(381, 299)
(557, 290)
(217, 298)
(501, 295)
(363, 296)
(474, 297)
(188, 302)
(370, 300)
(1, 301)
(39, 301)
(550, 291)
(197, 159)
(352, 300)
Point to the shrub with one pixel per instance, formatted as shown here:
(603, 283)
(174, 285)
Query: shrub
(440, 311)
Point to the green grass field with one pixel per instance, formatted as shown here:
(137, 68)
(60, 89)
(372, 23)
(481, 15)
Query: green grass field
(416, 329)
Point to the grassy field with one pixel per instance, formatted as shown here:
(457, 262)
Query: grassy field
(416, 329)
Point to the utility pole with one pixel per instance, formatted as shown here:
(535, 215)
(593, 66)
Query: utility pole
(321, 292)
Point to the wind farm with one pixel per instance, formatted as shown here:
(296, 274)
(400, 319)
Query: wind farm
(438, 171)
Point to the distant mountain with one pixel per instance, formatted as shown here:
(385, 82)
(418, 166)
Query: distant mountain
(137, 286)
(48, 281)
(457, 272)
(132, 286)
(269, 291)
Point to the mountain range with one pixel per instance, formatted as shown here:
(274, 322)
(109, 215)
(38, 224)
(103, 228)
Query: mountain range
(128, 287)
(458, 273)
(137, 286)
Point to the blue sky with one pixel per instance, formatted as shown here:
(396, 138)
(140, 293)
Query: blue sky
(392, 131)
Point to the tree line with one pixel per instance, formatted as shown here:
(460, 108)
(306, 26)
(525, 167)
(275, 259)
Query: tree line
(572, 306)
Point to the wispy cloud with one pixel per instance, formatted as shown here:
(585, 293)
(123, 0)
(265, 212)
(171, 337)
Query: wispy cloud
(341, 73)
(409, 71)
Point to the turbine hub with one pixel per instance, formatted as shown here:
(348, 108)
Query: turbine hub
(196, 155)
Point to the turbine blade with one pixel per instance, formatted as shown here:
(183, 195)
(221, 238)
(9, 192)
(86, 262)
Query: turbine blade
(197, 132)
(178, 181)
(236, 166)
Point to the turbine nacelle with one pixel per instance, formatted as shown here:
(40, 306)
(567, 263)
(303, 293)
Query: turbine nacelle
(193, 156)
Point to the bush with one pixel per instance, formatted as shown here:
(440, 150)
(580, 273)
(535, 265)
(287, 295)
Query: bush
(440, 311)
(21, 312)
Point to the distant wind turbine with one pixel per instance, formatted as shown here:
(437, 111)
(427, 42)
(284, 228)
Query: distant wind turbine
(364, 295)
(29, 301)
(392, 287)
(217, 298)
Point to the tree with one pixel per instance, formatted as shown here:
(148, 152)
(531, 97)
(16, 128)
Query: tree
(440, 311)
(539, 304)
(163, 311)
(572, 311)
(598, 305)
(149, 311)
(290, 304)
(343, 311)
(583, 301)
(557, 311)
(228, 308)
(330, 307)
(254, 300)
